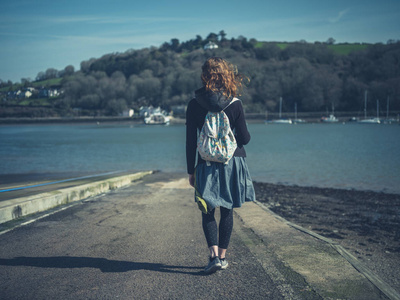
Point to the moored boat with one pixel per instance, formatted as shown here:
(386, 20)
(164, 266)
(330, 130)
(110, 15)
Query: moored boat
(280, 120)
(370, 120)
(330, 119)
(156, 119)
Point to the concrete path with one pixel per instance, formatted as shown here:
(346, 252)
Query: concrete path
(144, 241)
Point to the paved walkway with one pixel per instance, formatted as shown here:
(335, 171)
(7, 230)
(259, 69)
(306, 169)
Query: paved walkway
(144, 241)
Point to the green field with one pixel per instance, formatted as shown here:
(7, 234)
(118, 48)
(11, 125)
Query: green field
(345, 49)
(31, 102)
(282, 46)
(342, 49)
(35, 84)
(35, 102)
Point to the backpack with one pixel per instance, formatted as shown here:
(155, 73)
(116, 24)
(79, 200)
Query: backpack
(216, 141)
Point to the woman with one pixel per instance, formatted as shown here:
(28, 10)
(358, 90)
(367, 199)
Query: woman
(219, 185)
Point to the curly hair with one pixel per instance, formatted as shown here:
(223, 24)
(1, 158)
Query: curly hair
(218, 75)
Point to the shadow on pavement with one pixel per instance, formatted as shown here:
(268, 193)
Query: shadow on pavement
(103, 264)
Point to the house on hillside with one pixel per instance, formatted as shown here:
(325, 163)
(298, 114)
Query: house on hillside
(24, 94)
(210, 45)
(47, 93)
(128, 113)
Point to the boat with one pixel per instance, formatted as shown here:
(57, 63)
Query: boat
(280, 120)
(331, 118)
(353, 119)
(370, 120)
(388, 120)
(156, 119)
(297, 121)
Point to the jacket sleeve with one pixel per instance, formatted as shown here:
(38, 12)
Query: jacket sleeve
(242, 134)
(191, 138)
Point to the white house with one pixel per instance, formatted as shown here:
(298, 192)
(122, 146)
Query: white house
(210, 45)
(24, 94)
(128, 113)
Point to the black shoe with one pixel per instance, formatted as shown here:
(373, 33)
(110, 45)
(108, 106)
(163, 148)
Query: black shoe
(213, 266)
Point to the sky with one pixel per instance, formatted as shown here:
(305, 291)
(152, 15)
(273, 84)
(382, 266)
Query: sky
(42, 34)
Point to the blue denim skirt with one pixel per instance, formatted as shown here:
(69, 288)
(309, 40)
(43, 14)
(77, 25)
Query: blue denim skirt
(227, 185)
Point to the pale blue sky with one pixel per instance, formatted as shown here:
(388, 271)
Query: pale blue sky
(42, 34)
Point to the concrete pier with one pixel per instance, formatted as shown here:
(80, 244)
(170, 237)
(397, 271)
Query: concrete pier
(145, 241)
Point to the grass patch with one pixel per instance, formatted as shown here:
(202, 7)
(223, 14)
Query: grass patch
(345, 49)
(35, 84)
(282, 46)
(35, 102)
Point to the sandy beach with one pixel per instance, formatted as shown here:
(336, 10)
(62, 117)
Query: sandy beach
(365, 223)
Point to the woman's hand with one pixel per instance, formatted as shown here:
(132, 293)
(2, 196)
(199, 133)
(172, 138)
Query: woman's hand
(191, 179)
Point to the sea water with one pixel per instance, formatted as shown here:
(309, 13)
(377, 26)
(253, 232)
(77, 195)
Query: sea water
(350, 156)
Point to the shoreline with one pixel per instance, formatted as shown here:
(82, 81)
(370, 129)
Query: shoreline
(136, 120)
(363, 222)
(80, 120)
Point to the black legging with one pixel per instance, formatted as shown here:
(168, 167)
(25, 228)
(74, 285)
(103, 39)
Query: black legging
(225, 228)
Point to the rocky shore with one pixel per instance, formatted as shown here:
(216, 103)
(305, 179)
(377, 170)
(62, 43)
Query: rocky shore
(365, 223)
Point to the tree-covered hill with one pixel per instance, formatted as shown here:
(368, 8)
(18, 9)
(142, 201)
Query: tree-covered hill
(314, 76)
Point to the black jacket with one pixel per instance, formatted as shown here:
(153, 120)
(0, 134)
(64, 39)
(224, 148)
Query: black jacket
(197, 109)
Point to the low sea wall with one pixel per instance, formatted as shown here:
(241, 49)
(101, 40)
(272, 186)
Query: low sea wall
(19, 207)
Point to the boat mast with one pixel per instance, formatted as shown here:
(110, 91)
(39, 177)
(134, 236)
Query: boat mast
(295, 111)
(280, 108)
(377, 109)
(365, 104)
(387, 108)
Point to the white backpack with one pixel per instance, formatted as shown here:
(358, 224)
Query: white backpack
(216, 141)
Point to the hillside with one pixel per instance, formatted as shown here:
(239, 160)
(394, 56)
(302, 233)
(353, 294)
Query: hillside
(315, 76)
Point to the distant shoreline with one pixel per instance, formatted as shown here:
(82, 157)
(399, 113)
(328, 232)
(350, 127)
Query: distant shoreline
(315, 117)
(18, 121)
(84, 120)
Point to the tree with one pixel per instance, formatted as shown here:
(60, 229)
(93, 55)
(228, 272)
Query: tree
(212, 37)
(69, 70)
(40, 76)
(331, 41)
(51, 73)
(116, 107)
(174, 44)
(267, 51)
(86, 64)
(25, 81)
(222, 35)
(198, 41)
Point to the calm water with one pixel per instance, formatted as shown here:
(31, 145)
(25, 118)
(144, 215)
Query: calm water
(363, 157)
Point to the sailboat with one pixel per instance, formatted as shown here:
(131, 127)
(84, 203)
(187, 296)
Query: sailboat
(280, 120)
(387, 120)
(370, 120)
(296, 121)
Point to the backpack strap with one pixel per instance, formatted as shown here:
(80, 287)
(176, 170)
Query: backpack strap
(233, 100)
